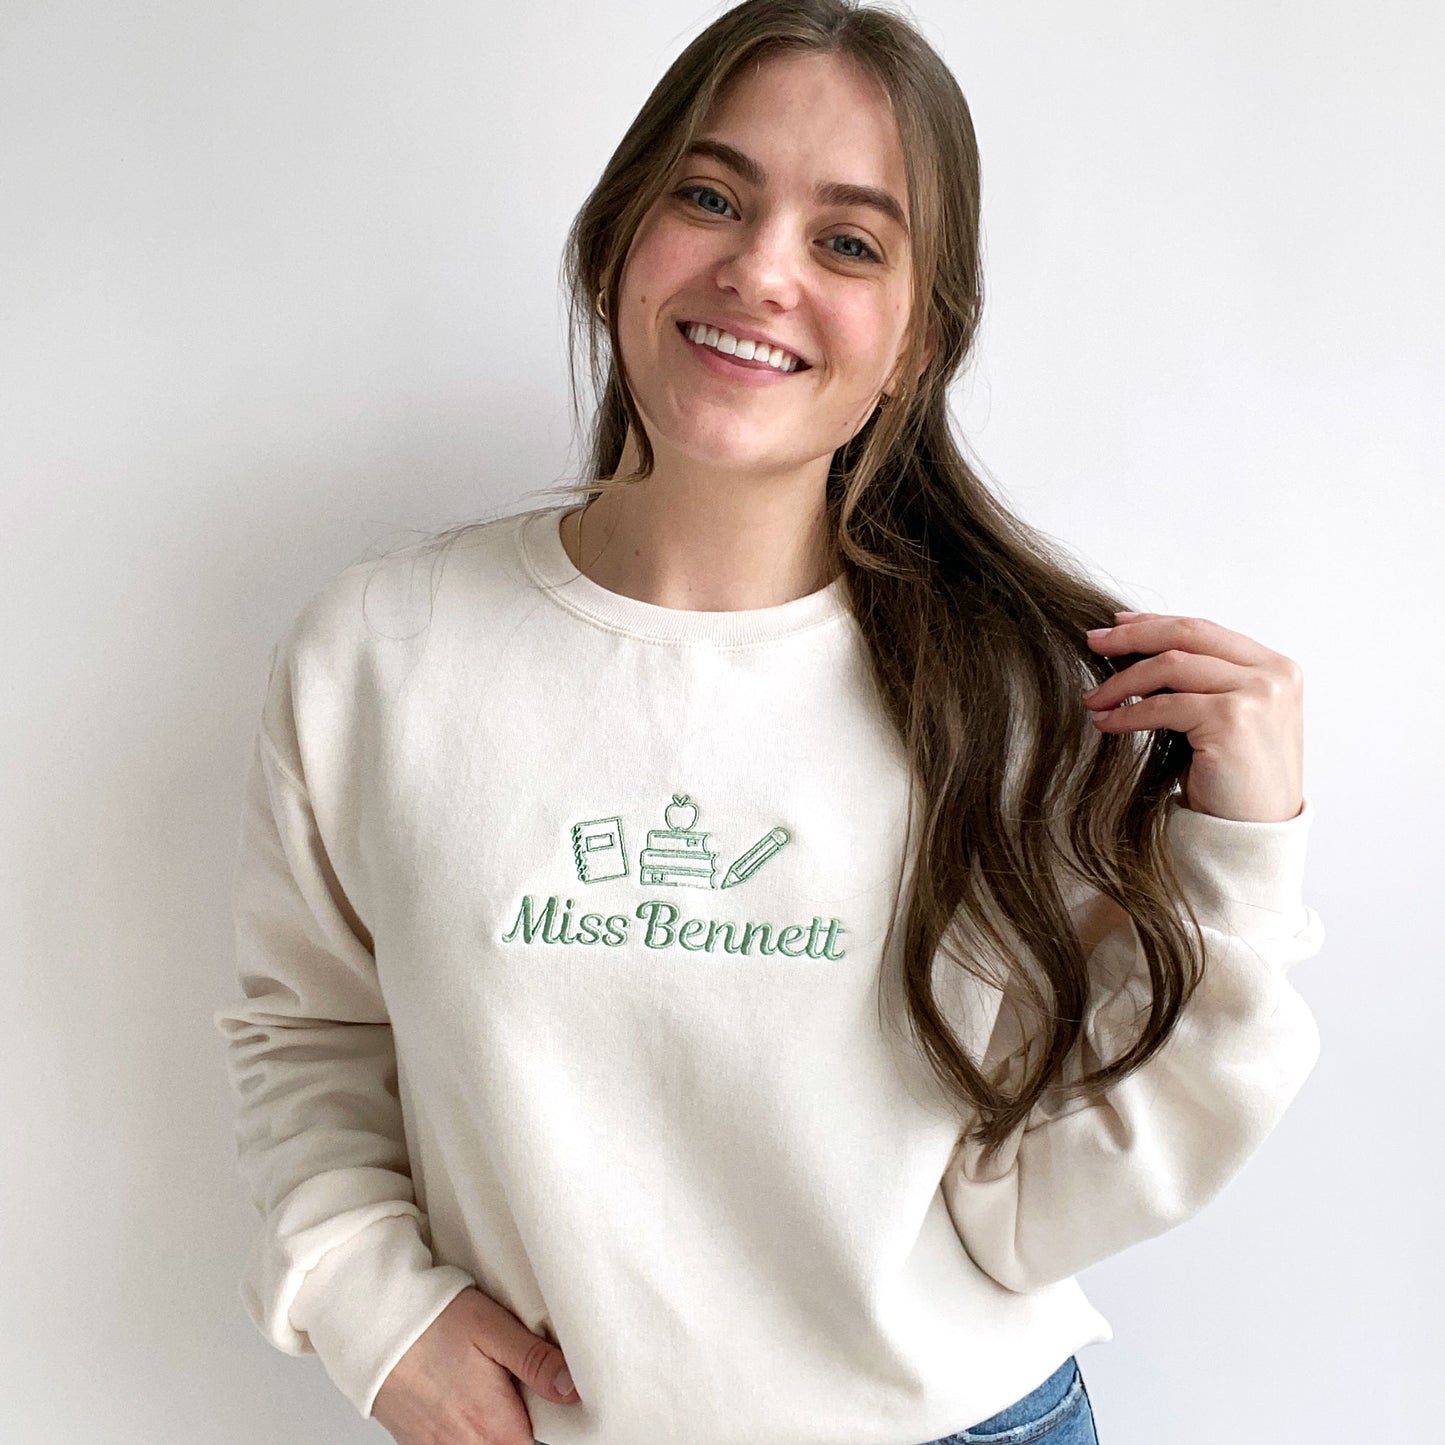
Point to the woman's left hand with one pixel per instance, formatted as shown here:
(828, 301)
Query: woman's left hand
(1241, 705)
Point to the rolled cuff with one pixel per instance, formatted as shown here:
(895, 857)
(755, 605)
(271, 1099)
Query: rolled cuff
(1242, 877)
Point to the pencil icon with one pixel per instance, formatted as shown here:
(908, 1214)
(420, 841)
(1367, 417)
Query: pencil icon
(755, 857)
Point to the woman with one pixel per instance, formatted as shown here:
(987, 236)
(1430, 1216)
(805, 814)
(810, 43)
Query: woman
(706, 968)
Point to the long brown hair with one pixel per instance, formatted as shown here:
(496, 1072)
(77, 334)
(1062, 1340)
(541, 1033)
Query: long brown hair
(974, 621)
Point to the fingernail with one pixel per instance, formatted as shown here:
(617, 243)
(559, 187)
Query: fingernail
(563, 1383)
(1098, 631)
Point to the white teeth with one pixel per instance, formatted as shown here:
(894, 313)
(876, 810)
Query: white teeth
(727, 343)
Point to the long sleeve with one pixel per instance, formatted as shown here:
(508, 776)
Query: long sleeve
(340, 1266)
(1083, 1181)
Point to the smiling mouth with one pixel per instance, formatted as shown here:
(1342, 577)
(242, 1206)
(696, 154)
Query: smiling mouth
(682, 330)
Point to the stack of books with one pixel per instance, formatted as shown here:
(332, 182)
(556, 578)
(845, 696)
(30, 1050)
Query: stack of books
(679, 856)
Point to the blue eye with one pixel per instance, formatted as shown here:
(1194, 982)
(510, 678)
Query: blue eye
(700, 190)
(867, 253)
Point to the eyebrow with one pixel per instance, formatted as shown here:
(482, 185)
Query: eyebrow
(827, 193)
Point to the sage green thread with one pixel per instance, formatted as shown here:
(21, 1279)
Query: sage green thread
(599, 850)
(756, 856)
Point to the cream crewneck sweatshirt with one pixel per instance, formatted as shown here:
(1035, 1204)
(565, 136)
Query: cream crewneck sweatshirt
(559, 921)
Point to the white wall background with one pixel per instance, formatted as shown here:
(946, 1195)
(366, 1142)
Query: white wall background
(278, 282)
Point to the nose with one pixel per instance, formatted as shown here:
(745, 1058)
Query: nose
(766, 266)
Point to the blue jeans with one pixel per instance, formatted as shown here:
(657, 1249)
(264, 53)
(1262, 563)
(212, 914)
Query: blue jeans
(1055, 1413)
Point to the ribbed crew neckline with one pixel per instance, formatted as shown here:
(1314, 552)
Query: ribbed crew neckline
(539, 540)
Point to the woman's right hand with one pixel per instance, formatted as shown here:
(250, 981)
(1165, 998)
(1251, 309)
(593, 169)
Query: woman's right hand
(454, 1385)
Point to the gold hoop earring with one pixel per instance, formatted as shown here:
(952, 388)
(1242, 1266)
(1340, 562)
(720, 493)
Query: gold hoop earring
(600, 305)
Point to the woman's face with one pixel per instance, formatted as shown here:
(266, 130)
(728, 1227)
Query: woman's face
(826, 276)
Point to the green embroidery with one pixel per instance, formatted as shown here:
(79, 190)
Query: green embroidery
(680, 856)
(557, 928)
(553, 923)
(756, 856)
(599, 850)
(661, 918)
